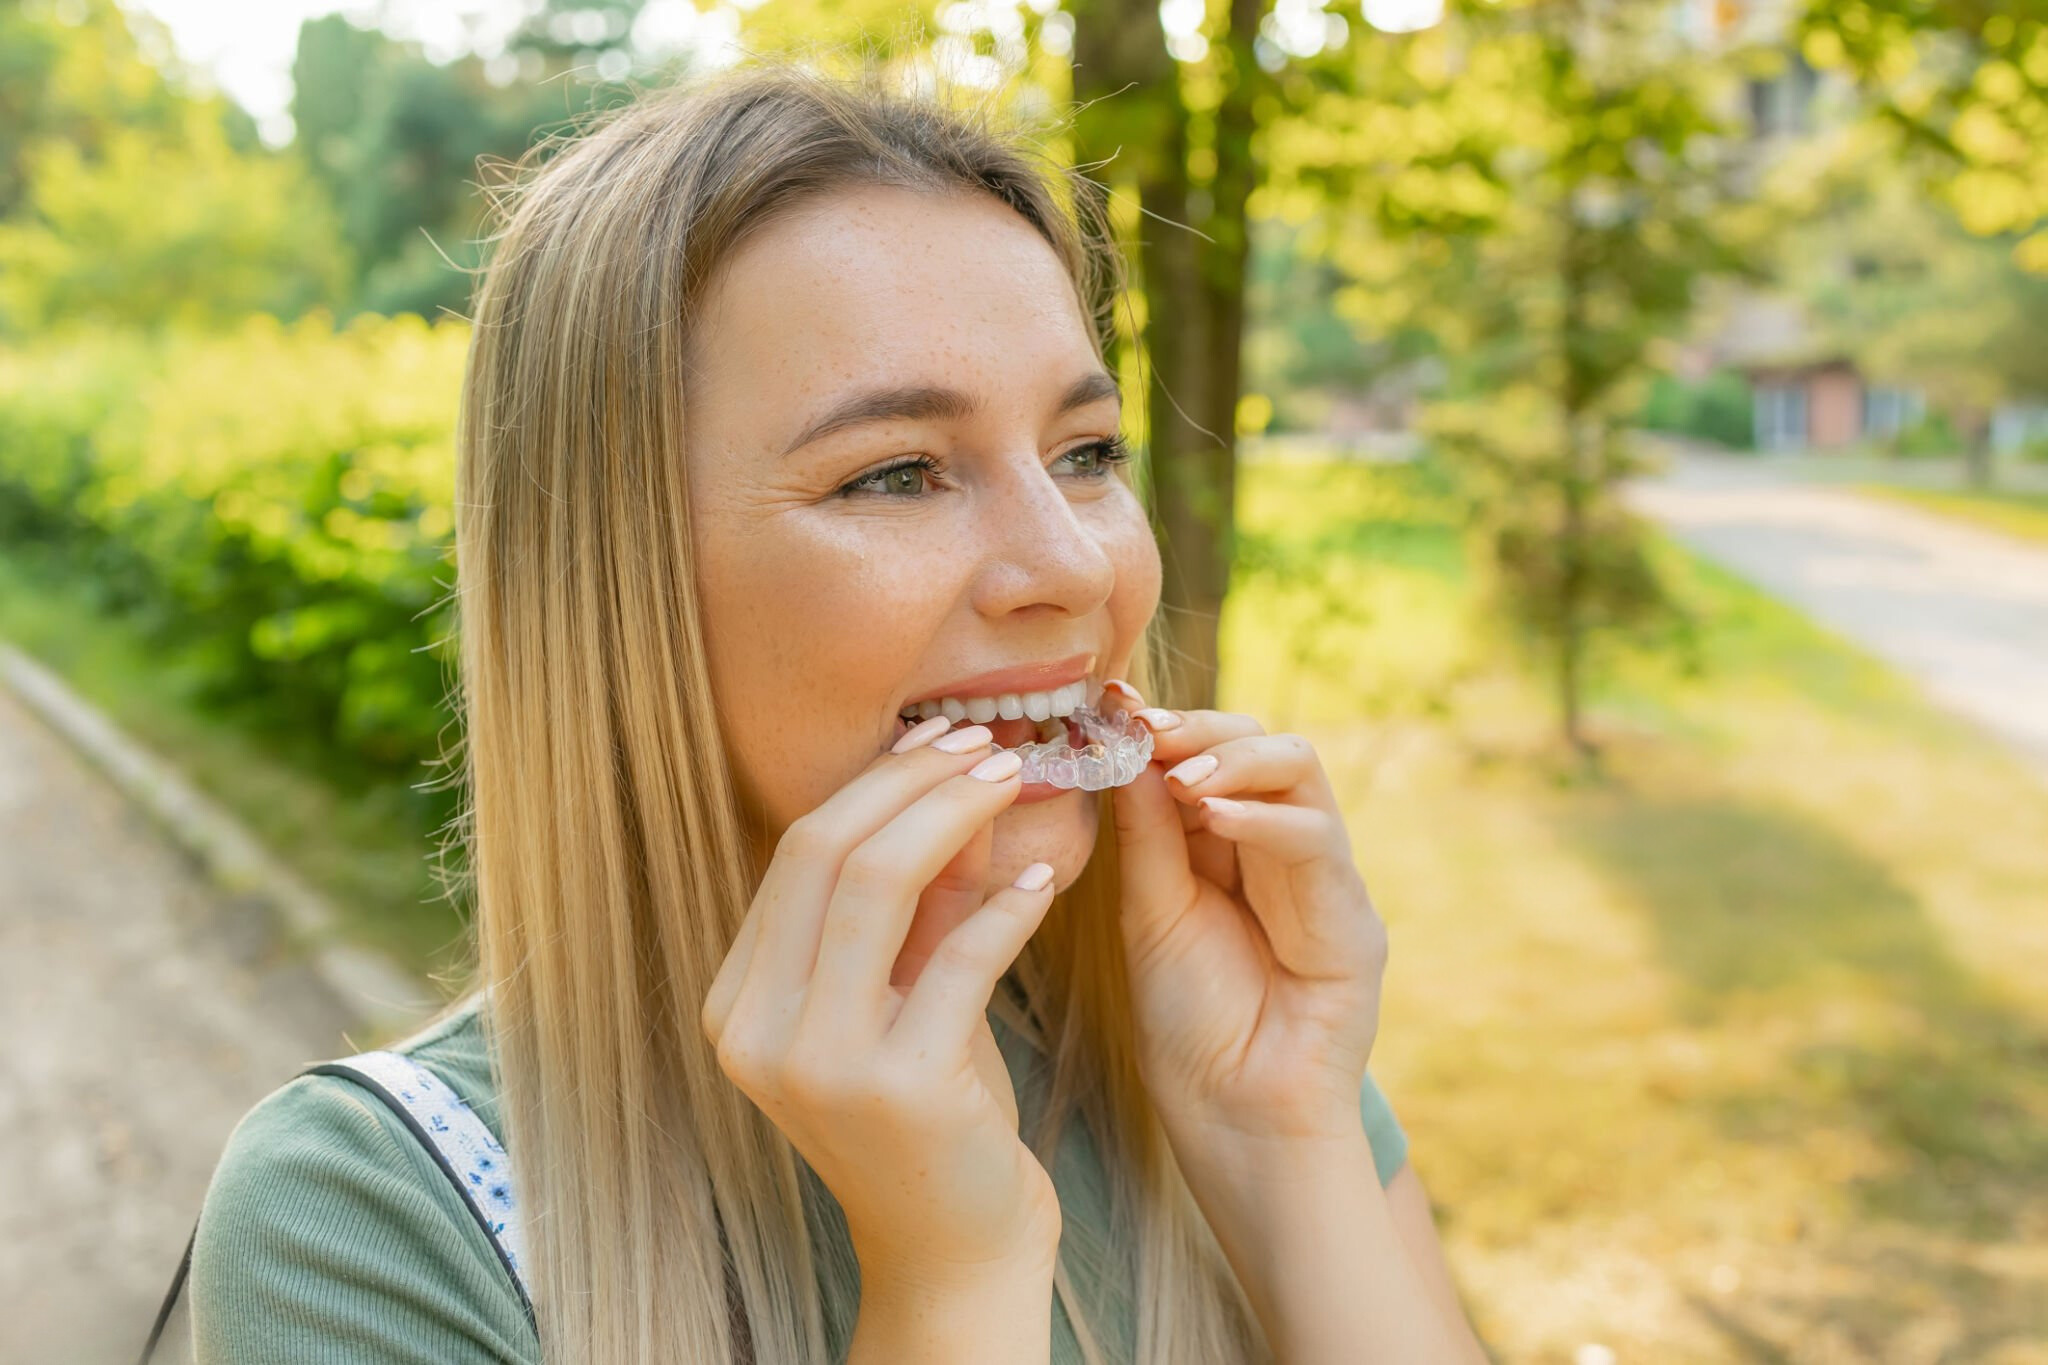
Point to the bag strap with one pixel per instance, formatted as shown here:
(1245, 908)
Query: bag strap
(459, 1142)
(462, 1146)
(163, 1313)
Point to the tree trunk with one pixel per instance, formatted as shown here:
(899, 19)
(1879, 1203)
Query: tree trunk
(1134, 118)
(1575, 486)
(1976, 434)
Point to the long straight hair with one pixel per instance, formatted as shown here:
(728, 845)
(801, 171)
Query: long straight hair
(602, 838)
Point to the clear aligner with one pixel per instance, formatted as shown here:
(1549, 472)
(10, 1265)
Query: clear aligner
(1119, 746)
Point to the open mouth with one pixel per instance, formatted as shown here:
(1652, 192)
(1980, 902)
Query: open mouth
(1064, 736)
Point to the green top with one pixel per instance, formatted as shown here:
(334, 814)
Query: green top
(329, 1236)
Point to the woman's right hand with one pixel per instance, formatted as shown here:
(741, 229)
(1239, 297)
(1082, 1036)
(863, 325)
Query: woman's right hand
(878, 1085)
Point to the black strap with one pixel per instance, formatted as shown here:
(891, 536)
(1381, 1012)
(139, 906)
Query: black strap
(163, 1314)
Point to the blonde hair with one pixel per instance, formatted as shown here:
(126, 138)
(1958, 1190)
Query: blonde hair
(604, 845)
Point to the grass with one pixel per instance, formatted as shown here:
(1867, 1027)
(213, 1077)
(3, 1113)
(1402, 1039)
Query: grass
(2015, 513)
(1737, 1052)
(352, 839)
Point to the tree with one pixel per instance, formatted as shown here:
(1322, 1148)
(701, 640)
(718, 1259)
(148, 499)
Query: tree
(1966, 80)
(1542, 188)
(136, 202)
(394, 138)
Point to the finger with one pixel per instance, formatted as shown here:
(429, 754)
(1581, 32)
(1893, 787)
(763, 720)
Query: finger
(725, 986)
(1179, 734)
(1282, 764)
(953, 895)
(800, 876)
(1288, 833)
(1327, 905)
(1158, 882)
(953, 994)
(868, 914)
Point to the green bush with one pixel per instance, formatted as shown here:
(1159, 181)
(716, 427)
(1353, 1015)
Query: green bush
(1932, 435)
(1717, 409)
(271, 504)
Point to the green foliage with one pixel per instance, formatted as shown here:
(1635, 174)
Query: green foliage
(1559, 559)
(164, 226)
(1966, 80)
(290, 551)
(132, 202)
(1717, 408)
(394, 140)
(1541, 190)
(1932, 436)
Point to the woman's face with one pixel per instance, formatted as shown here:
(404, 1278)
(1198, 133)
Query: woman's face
(956, 534)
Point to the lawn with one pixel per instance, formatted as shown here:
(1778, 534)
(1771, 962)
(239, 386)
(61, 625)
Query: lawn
(2015, 513)
(1738, 1052)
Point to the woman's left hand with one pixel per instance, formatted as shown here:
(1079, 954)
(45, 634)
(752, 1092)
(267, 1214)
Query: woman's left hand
(1254, 951)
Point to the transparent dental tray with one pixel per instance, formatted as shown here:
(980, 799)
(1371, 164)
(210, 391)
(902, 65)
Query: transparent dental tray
(1119, 746)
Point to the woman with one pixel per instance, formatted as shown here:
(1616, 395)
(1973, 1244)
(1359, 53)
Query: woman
(786, 426)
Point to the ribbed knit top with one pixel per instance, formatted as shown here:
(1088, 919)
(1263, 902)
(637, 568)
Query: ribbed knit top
(328, 1236)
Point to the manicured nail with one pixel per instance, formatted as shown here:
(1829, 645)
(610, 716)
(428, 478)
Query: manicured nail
(964, 741)
(1158, 719)
(1188, 772)
(924, 732)
(1221, 805)
(1124, 690)
(1000, 766)
(1034, 877)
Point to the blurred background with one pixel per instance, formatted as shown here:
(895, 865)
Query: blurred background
(1615, 432)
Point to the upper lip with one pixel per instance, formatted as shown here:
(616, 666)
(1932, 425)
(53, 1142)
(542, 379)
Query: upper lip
(1039, 677)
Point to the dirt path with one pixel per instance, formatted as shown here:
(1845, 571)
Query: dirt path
(1963, 611)
(142, 1014)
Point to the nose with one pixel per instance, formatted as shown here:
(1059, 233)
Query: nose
(1038, 552)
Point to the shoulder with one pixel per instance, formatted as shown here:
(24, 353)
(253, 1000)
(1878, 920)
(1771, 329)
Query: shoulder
(329, 1234)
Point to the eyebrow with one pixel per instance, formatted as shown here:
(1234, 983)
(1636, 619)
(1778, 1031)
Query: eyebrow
(925, 402)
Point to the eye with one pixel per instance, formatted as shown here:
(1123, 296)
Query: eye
(905, 478)
(911, 478)
(1097, 458)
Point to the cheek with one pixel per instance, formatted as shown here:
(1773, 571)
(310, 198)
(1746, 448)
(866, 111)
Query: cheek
(812, 629)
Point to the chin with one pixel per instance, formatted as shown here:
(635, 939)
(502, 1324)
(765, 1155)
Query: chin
(1060, 831)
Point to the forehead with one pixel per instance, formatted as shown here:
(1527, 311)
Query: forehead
(884, 285)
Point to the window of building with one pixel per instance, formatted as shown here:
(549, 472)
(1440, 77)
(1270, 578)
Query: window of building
(1780, 415)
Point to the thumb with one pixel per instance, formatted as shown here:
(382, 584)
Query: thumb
(1152, 849)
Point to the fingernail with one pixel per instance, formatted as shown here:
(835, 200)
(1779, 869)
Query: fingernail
(924, 732)
(1222, 805)
(997, 767)
(1034, 877)
(1124, 690)
(1190, 771)
(1158, 719)
(964, 741)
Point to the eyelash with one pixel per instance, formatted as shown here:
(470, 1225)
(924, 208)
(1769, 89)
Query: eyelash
(1108, 454)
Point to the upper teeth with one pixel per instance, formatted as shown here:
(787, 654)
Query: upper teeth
(1060, 701)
